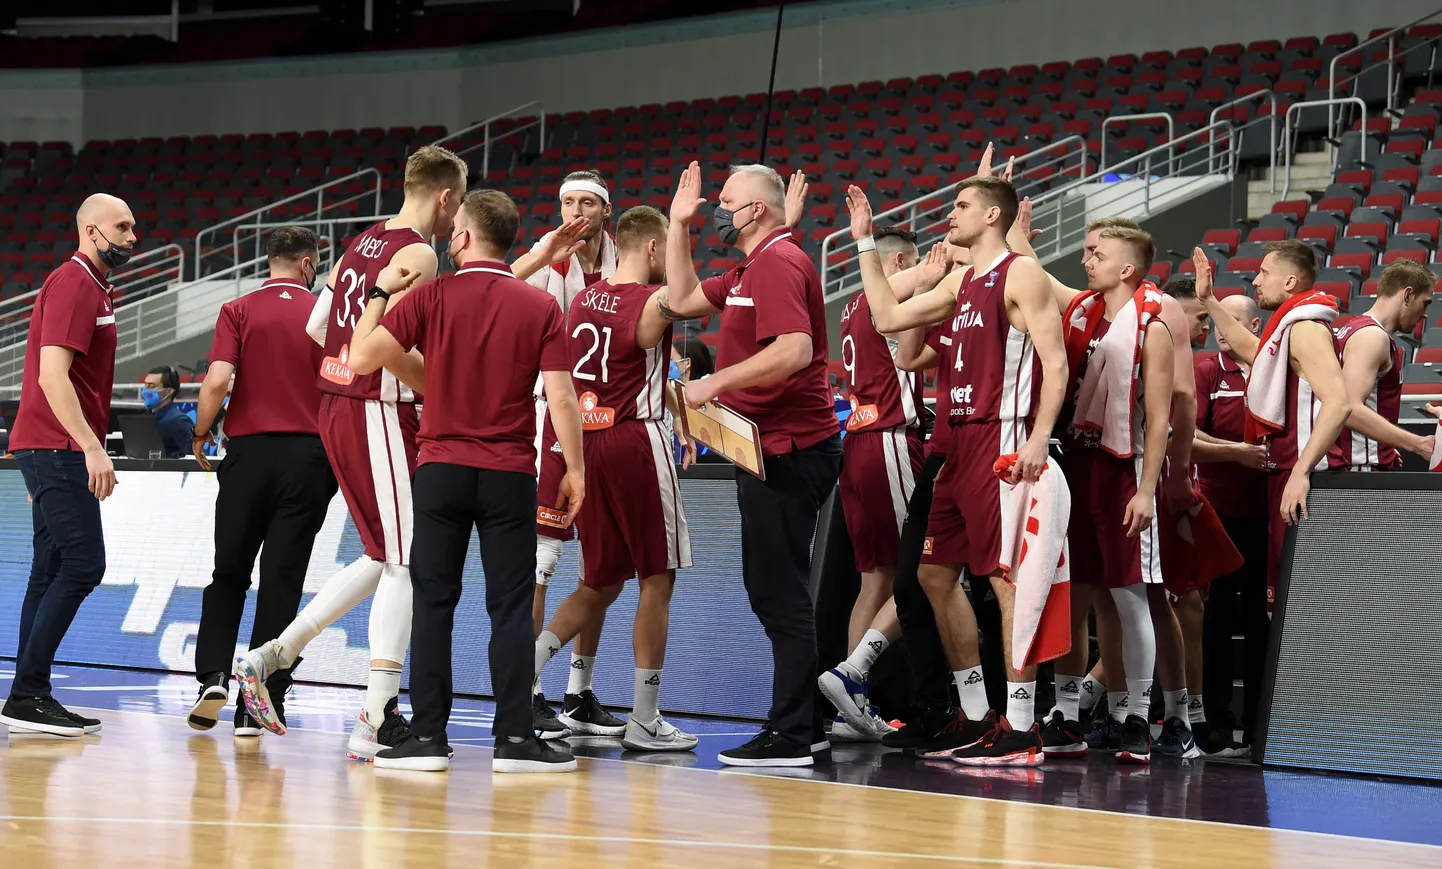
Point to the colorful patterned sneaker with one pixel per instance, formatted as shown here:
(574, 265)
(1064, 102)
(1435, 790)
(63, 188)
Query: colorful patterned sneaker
(251, 671)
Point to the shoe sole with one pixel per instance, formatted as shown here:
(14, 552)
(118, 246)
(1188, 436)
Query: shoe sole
(1030, 757)
(91, 728)
(359, 749)
(945, 753)
(1134, 758)
(583, 728)
(631, 745)
(514, 766)
(770, 761)
(414, 764)
(257, 698)
(854, 738)
(248, 732)
(52, 729)
(553, 734)
(205, 714)
(1068, 751)
(835, 691)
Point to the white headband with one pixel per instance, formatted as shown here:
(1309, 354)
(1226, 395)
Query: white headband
(583, 186)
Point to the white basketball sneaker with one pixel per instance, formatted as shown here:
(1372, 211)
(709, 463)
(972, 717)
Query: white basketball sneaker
(658, 735)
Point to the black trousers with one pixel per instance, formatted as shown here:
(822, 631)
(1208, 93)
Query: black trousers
(930, 670)
(1237, 603)
(778, 523)
(501, 505)
(274, 493)
(67, 564)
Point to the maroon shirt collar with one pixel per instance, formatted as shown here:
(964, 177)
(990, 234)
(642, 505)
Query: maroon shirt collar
(494, 265)
(1229, 365)
(766, 243)
(85, 263)
(288, 283)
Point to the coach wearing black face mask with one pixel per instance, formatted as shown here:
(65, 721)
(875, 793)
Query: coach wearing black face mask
(771, 368)
(275, 482)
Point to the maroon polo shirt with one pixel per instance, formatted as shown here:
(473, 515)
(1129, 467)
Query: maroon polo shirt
(73, 310)
(1222, 412)
(263, 335)
(772, 292)
(486, 336)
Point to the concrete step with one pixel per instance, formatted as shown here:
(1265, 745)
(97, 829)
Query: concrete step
(1310, 171)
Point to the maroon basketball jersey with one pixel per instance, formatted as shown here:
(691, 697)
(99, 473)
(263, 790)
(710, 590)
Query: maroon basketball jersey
(1286, 446)
(995, 370)
(882, 395)
(615, 380)
(360, 266)
(1353, 449)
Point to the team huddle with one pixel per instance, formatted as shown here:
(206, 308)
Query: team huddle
(1020, 358)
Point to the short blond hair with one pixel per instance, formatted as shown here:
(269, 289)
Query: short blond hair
(638, 226)
(1405, 273)
(431, 169)
(1144, 250)
(1112, 223)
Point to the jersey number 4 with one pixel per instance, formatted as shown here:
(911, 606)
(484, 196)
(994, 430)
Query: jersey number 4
(597, 343)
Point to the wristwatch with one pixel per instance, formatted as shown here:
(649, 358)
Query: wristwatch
(378, 293)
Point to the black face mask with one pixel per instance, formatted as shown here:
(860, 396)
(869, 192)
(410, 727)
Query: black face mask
(113, 257)
(455, 263)
(314, 274)
(722, 220)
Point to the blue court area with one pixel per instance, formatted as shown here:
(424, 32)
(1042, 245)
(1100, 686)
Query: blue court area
(1226, 792)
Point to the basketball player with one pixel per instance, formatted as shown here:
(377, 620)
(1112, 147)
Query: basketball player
(881, 456)
(1006, 335)
(1372, 370)
(1316, 402)
(368, 424)
(632, 524)
(564, 262)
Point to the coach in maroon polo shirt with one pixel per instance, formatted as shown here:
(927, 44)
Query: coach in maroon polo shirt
(59, 443)
(485, 336)
(771, 367)
(275, 484)
(1230, 475)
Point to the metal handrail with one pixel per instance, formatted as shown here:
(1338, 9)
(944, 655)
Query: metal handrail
(1272, 150)
(1391, 37)
(317, 223)
(1113, 119)
(1057, 153)
(485, 128)
(24, 301)
(1287, 130)
(318, 192)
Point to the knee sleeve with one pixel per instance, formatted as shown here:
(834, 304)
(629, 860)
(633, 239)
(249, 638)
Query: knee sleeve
(548, 555)
(390, 623)
(1139, 642)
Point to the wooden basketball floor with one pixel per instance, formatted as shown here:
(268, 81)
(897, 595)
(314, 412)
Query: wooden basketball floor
(149, 792)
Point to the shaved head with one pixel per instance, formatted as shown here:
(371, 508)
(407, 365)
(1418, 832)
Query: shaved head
(106, 229)
(1243, 307)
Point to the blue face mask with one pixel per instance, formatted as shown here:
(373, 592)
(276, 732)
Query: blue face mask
(151, 397)
(674, 372)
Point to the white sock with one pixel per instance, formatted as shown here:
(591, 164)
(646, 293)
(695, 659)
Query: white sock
(971, 685)
(1021, 704)
(1117, 702)
(582, 666)
(341, 593)
(547, 645)
(1068, 696)
(1091, 692)
(648, 690)
(1196, 711)
(867, 651)
(1139, 696)
(1176, 705)
(383, 684)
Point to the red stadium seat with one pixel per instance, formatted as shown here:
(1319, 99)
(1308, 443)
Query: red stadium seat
(1361, 262)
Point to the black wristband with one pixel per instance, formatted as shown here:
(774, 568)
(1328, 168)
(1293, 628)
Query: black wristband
(378, 293)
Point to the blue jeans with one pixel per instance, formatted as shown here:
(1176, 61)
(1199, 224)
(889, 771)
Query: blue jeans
(69, 560)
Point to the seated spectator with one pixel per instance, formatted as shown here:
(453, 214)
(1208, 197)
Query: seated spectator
(162, 385)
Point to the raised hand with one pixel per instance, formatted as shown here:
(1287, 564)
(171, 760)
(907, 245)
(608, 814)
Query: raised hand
(687, 199)
(934, 267)
(1010, 169)
(1204, 274)
(860, 208)
(561, 244)
(796, 199)
(983, 170)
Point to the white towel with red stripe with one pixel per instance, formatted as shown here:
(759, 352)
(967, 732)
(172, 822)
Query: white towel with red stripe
(1267, 386)
(1436, 461)
(1107, 397)
(1035, 559)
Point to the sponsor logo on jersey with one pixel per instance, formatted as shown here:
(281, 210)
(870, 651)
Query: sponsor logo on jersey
(551, 517)
(862, 415)
(926, 547)
(595, 417)
(334, 368)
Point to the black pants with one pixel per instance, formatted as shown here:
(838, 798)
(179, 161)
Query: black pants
(274, 491)
(501, 506)
(1237, 603)
(778, 522)
(68, 561)
(930, 670)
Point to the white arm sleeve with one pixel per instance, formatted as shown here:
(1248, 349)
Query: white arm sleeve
(315, 327)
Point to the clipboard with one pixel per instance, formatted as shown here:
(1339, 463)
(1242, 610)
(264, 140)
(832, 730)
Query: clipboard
(723, 431)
